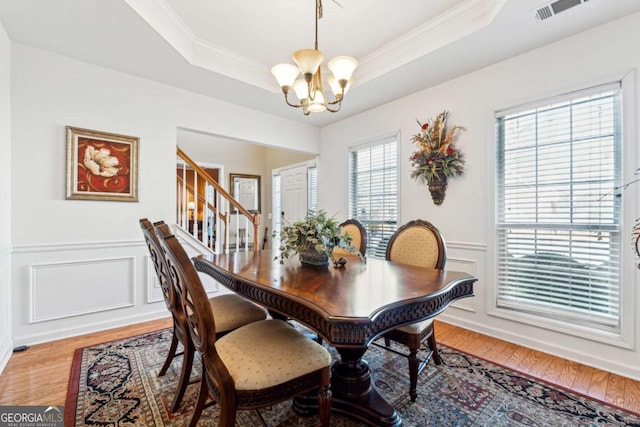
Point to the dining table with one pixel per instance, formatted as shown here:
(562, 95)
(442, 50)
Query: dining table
(347, 306)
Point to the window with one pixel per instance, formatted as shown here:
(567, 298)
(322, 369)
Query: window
(276, 205)
(312, 179)
(373, 191)
(558, 208)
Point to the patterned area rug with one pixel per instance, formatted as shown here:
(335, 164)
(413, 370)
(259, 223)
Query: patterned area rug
(117, 384)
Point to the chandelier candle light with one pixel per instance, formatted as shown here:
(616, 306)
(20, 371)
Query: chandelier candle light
(308, 88)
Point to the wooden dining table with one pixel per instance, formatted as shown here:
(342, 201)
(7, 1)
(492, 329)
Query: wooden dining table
(348, 307)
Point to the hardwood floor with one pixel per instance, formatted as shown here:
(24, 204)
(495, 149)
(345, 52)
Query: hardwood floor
(604, 386)
(40, 375)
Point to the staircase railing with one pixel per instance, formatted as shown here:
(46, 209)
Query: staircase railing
(204, 206)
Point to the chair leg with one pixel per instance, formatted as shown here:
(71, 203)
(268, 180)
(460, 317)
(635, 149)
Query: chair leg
(433, 347)
(387, 342)
(170, 355)
(324, 401)
(228, 411)
(203, 393)
(414, 364)
(185, 374)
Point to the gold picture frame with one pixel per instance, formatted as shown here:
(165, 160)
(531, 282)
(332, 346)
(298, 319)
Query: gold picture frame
(101, 165)
(246, 190)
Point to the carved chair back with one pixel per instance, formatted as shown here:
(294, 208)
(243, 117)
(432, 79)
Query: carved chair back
(359, 237)
(419, 243)
(196, 307)
(159, 263)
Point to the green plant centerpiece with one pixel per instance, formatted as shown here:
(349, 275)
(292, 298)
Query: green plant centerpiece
(314, 239)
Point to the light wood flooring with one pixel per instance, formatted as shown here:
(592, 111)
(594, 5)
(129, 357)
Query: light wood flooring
(40, 375)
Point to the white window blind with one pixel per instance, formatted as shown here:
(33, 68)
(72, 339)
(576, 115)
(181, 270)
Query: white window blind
(558, 209)
(277, 208)
(373, 191)
(312, 179)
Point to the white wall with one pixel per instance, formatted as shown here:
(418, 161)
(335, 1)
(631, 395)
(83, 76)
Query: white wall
(80, 265)
(466, 217)
(5, 195)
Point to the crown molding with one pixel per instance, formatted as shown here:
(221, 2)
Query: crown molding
(198, 52)
(462, 20)
(166, 22)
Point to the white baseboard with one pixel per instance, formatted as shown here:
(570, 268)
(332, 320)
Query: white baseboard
(6, 350)
(89, 328)
(608, 365)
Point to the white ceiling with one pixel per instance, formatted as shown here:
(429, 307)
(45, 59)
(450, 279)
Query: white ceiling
(225, 49)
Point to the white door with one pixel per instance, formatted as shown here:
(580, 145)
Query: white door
(294, 197)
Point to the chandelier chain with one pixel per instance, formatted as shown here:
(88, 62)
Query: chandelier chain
(318, 17)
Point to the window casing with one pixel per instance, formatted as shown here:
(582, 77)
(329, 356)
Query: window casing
(558, 213)
(373, 191)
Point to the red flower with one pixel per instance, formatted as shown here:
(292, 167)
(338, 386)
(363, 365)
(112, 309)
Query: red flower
(450, 151)
(425, 126)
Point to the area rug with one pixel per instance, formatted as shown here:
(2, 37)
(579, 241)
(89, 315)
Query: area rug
(117, 384)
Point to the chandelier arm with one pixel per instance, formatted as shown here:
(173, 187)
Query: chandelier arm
(329, 109)
(337, 101)
(286, 99)
(294, 105)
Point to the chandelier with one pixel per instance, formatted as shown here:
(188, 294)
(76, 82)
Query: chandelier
(308, 88)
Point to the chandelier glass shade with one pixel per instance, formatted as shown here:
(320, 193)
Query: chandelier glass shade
(305, 78)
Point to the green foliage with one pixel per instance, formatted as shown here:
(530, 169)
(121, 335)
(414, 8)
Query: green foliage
(436, 156)
(317, 231)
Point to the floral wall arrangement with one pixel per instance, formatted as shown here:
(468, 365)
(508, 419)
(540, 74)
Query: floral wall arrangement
(436, 157)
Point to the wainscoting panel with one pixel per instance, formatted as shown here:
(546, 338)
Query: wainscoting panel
(70, 288)
(73, 288)
(6, 340)
(154, 290)
(467, 266)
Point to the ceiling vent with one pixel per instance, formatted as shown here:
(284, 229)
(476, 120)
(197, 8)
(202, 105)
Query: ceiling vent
(552, 9)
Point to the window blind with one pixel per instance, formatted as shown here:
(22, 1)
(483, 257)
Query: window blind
(312, 179)
(277, 210)
(558, 210)
(373, 191)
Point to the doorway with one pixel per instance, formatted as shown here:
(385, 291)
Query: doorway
(294, 193)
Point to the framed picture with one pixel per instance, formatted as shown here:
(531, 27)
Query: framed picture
(101, 165)
(246, 190)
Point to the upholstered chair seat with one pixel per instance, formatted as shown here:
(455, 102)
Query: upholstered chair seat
(255, 358)
(232, 311)
(416, 328)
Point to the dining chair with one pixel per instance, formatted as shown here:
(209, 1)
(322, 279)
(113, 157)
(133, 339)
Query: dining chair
(358, 234)
(234, 311)
(418, 243)
(254, 366)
